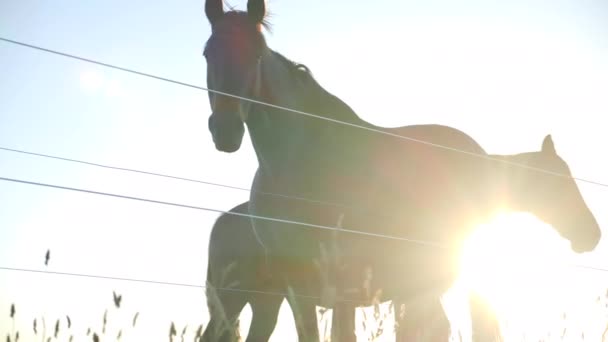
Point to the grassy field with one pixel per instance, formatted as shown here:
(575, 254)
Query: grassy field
(375, 324)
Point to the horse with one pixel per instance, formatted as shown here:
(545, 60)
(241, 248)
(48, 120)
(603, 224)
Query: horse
(424, 192)
(237, 275)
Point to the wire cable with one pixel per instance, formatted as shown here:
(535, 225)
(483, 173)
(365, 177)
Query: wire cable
(222, 289)
(118, 168)
(257, 217)
(372, 129)
(157, 282)
(419, 242)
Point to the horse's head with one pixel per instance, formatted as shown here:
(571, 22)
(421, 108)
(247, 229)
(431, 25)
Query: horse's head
(556, 199)
(233, 54)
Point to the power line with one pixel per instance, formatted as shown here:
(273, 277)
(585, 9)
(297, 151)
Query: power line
(272, 219)
(239, 188)
(118, 168)
(221, 289)
(371, 129)
(310, 225)
(591, 268)
(157, 282)
(233, 187)
(100, 277)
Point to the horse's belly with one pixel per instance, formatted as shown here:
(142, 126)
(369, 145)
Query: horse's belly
(396, 270)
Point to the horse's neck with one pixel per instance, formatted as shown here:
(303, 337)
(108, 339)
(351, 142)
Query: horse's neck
(274, 132)
(284, 139)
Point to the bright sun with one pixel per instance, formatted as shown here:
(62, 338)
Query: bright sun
(514, 260)
(526, 272)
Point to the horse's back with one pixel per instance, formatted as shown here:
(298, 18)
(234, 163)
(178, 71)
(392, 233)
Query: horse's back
(439, 135)
(231, 232)
(424, 166)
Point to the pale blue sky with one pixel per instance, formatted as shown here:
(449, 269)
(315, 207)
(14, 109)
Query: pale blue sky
(507, 73)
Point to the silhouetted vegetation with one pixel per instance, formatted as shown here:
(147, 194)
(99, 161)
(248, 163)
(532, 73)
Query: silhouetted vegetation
(374, 325)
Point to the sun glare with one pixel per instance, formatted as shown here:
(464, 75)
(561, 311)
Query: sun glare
(515, 260)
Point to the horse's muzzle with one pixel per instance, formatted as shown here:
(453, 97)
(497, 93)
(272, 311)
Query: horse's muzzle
(227, 132)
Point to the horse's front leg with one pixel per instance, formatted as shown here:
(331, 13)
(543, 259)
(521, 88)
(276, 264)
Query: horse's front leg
(224, 309)
(305, 314)
(265, 311)
(485, 327)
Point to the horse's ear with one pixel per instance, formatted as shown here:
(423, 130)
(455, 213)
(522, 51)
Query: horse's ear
(214, 9)
(256, 10)
(548, 146)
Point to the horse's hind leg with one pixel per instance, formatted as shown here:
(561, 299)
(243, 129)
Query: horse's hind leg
(485, 327)
(224, 309)
(438, 327)
(264, 312)
(425, 321)
(343, 322)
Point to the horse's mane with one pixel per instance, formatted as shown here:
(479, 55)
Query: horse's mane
(326, 104)
(297, 69)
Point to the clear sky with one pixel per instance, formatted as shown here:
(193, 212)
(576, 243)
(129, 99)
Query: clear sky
(507, 73)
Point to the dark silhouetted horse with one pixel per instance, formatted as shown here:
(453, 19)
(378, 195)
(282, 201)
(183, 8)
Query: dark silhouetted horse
(237, 275)
(418, 191)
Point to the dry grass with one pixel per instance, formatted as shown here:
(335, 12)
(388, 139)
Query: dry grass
(374, 326)
(63, 329)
